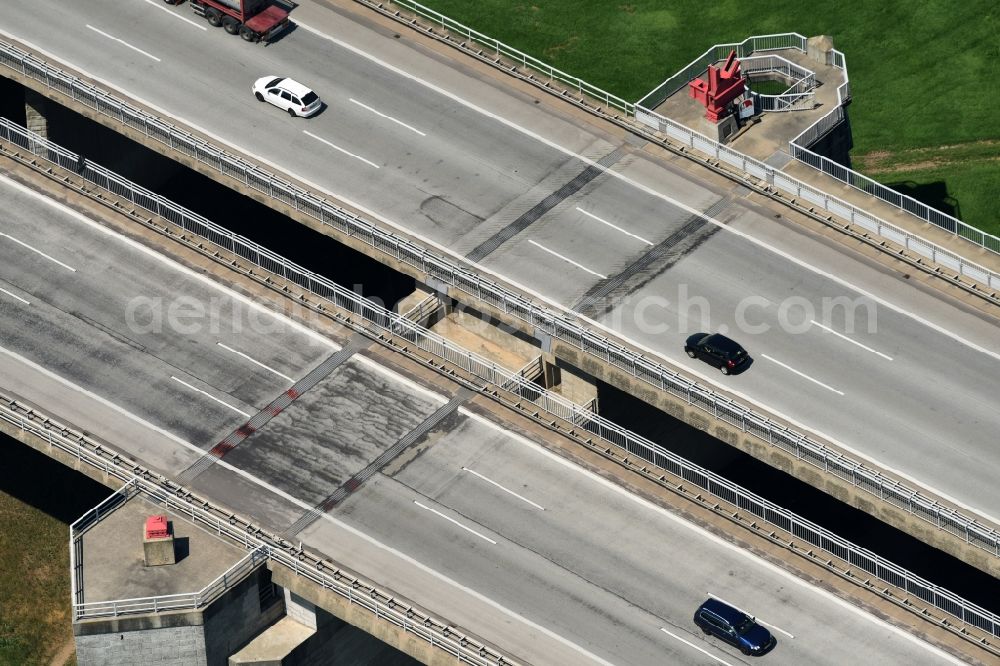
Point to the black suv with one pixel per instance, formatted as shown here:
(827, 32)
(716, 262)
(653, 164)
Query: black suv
(718, 350)
(735, 627)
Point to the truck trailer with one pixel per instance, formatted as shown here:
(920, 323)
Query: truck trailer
(253, 20)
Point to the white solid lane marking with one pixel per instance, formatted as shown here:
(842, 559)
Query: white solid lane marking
(506, 490)
(567, 259)
(159, 5)
(710, 536)
(401, 379)
(309, 507)
(103, 401)
(452, 520)
(655, 353)
(616, 228)
(699, 649)
(387, 117)
(612, 173)
(37, 251)
(210, 396)
(525, 289)
(255, 362)
(183, 270)
(759, 621)
(15, 296)
(802, 374)
(123, 42)
(841, 335)
(336, 147)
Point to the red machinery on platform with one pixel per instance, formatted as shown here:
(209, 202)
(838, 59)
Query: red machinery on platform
(157, 527)
(724, 85)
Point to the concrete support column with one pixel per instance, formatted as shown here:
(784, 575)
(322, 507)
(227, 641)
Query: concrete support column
(425, 307)
(34, 110)
(818, 48)
(551, 374)
(301, 610)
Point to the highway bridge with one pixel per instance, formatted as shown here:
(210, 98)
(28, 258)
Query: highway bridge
(645, 245)
(578, 215)
(475, 516)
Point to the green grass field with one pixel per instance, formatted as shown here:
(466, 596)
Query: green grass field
(925, 75)
(39, 498)
(34, 587)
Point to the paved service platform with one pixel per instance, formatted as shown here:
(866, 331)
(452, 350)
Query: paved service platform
(771, 131)
(113, 565)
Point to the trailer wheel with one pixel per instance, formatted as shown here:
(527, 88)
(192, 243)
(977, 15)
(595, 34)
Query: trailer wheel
(247, 34)
(231, 25)
(214, 17)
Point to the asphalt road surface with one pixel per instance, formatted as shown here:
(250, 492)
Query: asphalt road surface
(470, 520)
(580, 217)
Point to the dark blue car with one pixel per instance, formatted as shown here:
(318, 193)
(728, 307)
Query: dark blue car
(734, 627)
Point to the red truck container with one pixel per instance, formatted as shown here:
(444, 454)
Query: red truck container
(253, 20)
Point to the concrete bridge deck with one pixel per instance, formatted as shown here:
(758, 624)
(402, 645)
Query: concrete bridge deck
(475, 517)
(522, 188)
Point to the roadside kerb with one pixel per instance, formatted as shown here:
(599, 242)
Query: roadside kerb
(200, 511)
(798, 147)
(436, 269)
(816, 199)
(383, 324)
(502, 55)
(561, 329)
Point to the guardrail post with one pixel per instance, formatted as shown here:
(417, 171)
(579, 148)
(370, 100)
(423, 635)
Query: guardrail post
(509, 304)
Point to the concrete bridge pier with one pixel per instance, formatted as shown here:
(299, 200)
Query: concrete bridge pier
(128, 611)
(35, 113)
(204, 636)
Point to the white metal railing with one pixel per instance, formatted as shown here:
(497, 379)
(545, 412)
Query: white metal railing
(817, 199)
(500, 50)
(698, 66)
(83, 610)
(832, 205)
(199, 511)
(799, 149)
(462, 278)
(801, 87)
(421, 311)
(375, 320)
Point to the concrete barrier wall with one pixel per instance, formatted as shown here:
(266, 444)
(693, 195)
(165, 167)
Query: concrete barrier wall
(175, 646)
(361, 618)
(207, 636)
(591, 365)
(779, 458)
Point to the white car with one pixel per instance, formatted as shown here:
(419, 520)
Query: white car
(287, 94)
